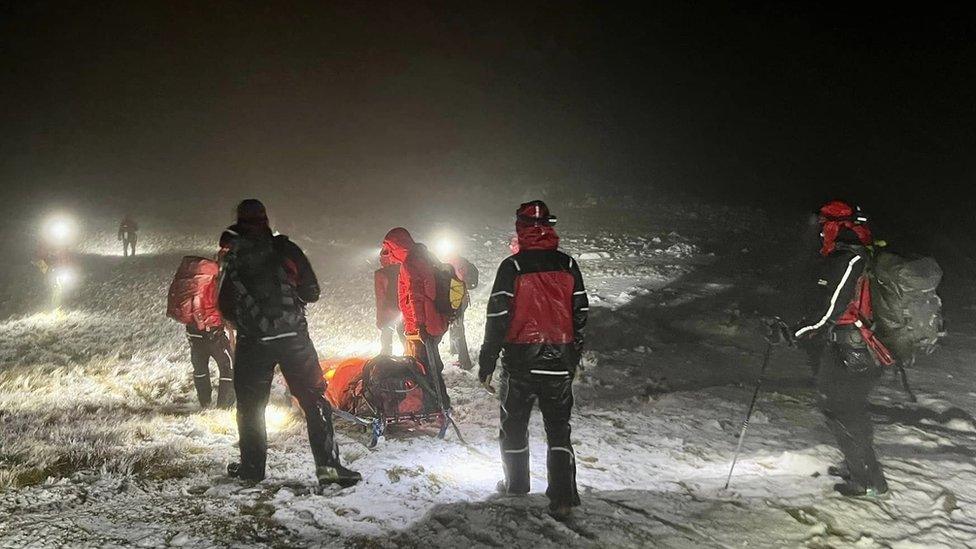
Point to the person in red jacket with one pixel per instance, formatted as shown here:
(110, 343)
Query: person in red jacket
(842, 321)
(423, 324)
(386, 287)
(536, 315)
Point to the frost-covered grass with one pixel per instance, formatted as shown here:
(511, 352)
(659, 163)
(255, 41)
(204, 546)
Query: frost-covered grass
(102, 443)
(107, 415)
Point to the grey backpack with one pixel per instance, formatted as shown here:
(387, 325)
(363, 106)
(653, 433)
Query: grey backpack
(907, 310)
(267, 303)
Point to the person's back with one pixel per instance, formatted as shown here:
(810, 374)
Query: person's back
(385, 287)
(842, 317)
(423, 324)
(267, 281)
(417, 293)
(536, 315)
(468, 274)
(265, 284)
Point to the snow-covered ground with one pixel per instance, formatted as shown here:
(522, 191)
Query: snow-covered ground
(102, 444)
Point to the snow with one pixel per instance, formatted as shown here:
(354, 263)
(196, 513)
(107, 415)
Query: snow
(103, 445)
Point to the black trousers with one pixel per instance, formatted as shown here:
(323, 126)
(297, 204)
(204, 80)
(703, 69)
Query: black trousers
(459, 342)
(843, 398)
(417, 349)
(128, 243)
(299, 364)
(202, 349)
(517, 394)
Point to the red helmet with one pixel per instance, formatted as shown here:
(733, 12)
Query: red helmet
(535, 213)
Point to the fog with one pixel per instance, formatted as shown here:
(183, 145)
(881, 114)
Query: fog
(330, 109)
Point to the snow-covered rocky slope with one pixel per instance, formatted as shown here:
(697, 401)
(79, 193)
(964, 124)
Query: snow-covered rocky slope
(102, 444)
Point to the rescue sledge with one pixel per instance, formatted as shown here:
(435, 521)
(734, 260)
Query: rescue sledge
(381, 391)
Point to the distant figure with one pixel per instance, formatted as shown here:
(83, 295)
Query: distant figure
(266, 282)
(423, 324)
(843, 318)
(128, 230)
(536, 314)
(388, 318)
(467, 273)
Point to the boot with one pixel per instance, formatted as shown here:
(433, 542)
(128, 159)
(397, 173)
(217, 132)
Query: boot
(561, 512)
(852, 489)
(242, 472)
(337, 474)
(841, 470)
(502, 488)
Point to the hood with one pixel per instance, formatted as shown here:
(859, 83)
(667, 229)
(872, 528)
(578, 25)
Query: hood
(536, 237)
(243, 230)
(839, 223)
(396, 245)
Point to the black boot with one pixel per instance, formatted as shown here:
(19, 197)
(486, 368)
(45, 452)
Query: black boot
(560, 512)
(853, 489)
(502, 488)
(337, 474)
(243, 472)
(841, 470)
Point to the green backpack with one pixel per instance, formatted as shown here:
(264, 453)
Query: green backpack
(907, 309)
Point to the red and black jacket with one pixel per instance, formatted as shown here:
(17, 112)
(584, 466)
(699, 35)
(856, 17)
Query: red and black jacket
(537, 310)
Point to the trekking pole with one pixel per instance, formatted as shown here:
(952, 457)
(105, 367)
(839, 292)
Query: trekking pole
(436, 376)
(752, 405)
(904, 382)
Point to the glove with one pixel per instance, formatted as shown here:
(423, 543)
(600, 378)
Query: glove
(778, 332)
(486, 368)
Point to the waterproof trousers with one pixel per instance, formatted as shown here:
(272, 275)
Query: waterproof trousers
(518, 393)
(459, 342)
(256, 360)
(843, 397)
(129, 245)
(204, 347)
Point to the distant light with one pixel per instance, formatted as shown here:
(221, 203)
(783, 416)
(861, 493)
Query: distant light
(444, 247)
(60, 231)
(65, 277)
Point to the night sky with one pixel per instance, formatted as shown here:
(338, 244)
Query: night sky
(772, 103)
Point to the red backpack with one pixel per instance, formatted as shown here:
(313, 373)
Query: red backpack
(192, 298)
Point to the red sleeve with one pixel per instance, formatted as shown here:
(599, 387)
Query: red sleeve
(404, 293)
(418, 295)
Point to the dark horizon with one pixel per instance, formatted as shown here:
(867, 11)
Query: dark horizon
(779, 106)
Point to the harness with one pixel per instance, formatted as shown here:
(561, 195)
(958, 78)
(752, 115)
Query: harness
(859, 316)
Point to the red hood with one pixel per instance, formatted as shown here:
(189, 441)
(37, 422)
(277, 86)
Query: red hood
(397, 244)
(536, 237)
(836, 216)
(831, 229)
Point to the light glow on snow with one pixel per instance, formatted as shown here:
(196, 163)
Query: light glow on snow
(476, 471)
(362, 347)
(276, 418)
